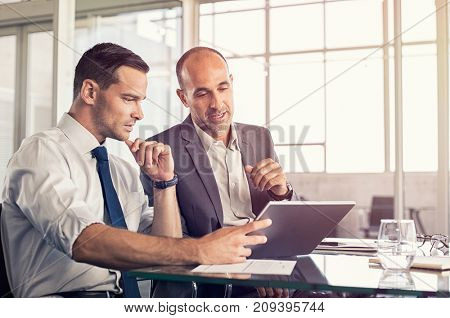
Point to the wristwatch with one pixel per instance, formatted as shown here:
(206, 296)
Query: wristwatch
(165, 184)
(286, 196)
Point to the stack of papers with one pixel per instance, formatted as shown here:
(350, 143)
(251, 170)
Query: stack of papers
(440, 263)
(348, 245)
(264, 267)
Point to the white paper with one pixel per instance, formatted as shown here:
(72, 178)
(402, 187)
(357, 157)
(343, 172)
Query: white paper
(264, 267)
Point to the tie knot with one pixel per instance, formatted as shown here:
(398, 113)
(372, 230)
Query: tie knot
(100, 153)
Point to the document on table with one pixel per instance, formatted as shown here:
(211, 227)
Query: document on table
(440, 263)
(348, 245)
(264, 267)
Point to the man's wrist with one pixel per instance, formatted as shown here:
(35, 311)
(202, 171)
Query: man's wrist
(164, 178)
(286, 196)
(194, 252)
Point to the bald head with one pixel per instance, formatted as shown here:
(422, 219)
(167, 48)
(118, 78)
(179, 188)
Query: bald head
(196, 55)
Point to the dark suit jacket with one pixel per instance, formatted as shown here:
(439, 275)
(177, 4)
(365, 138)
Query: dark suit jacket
(197, 191)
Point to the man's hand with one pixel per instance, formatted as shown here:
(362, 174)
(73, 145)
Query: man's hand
(154, 158)
(268, 175)
(268, 292)
(229, 245)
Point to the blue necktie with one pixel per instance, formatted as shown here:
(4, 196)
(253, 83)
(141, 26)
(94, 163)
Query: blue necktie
(115, 213)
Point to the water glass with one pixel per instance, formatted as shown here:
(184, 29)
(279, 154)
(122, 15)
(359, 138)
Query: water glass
(396, 244)
(396, 280)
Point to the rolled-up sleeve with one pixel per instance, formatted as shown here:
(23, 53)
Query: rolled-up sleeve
(42, 188)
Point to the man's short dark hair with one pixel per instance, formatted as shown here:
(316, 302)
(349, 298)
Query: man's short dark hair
(188, 53)
(101, 62)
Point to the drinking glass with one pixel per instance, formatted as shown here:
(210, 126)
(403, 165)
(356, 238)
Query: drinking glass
(396, 244)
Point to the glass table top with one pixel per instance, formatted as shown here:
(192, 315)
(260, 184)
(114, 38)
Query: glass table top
(321, 272)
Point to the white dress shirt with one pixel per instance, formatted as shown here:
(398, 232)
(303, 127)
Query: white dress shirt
(52, 192)
(226, 163)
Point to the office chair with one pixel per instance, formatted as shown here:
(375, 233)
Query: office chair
(382, 208)
(5, 289)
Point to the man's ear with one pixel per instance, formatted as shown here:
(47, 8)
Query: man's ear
(89, 91)
(182, 97)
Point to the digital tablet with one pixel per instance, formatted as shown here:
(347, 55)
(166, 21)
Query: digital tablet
(298, 226)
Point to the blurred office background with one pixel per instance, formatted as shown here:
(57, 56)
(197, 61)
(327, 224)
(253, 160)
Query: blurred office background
(355, 92)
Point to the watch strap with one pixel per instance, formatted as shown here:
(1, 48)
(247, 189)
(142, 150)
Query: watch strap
(165, 184)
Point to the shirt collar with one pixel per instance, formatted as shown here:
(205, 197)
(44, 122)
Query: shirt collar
(208, 141)
(83, 140)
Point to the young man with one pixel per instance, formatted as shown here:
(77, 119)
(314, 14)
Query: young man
(70, 210)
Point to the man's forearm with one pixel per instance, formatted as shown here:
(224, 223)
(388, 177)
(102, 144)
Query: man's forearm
(109, 247)
(166, 221)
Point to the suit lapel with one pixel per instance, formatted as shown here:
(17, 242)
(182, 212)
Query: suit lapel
(201, 162)
(248, 158)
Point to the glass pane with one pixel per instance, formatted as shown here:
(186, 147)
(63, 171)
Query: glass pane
(305, 21)
(238, 5)
(249, 26)
(297, 108)
(7, 90)
(301, 158)
(292, 2)
(419, 108)
(418, 20)
(355, 120)
(206, 30)
(155, 36)
(206, 8)
(421, 200)
(363, 23)
(249, 90)
(420, 149)
(40, 74)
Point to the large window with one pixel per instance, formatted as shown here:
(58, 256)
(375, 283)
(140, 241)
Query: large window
(7, 91)
(326, 88)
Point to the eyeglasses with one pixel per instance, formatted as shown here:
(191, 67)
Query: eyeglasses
(438, 241)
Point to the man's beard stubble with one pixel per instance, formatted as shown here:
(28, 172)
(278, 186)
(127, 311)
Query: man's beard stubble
(101, 120)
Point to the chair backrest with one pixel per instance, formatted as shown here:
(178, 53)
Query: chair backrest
(5, 290)
(382, 208)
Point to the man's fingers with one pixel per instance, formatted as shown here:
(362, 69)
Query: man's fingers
(246, 252)
(254, 240)
(136, 144)
(240, 259)
(167, 150)
(256, 225)
(285, 293)
(248, 169)
(269, 292)
(263, 171)
(279, 180)
(148, 158)
(265, 180)
(143, 151)
(261, 164)
(157, 150)
(129, 143)
(261, 292)
(278, 292)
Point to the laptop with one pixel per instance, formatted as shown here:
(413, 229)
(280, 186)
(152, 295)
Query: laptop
(298, 226)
